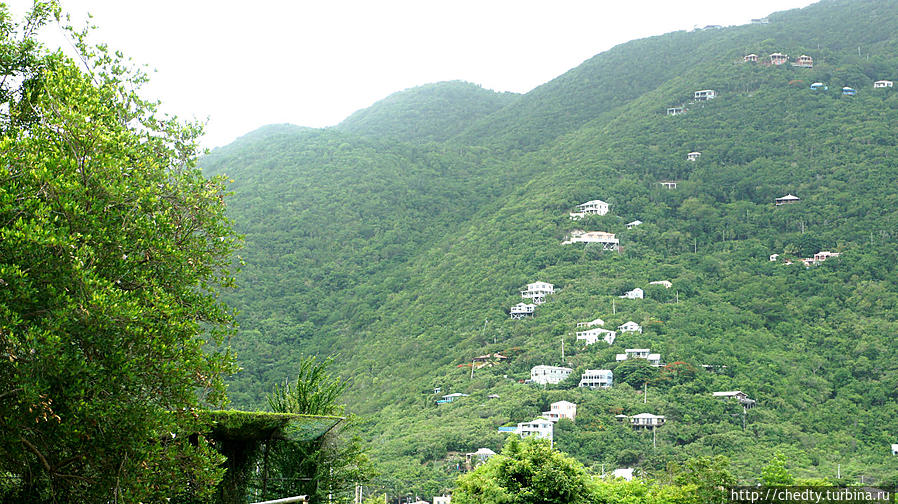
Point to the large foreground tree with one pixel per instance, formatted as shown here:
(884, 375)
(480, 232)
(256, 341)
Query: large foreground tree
(112, 249)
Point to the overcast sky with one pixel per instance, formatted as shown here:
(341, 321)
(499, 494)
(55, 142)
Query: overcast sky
(243, 64)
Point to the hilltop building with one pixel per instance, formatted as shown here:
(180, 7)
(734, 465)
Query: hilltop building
(705, 95)
(549, 374)
(592, 336)
(537, 291)
(639, 353)
(594, 207)
(630, 327)
(636, 293)
(561, 409)
(625, 473)
(787, 200)
(883, 84)
(607, 240)
(522, 310)
(597, 378)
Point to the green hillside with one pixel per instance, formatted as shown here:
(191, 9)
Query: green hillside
(433, 112)
(403, 260)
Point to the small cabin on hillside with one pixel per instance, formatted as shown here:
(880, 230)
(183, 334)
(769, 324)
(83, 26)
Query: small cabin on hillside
(522, 310)
(596, 378)
(788, 199)
(636, 293)
(644, 420)
(804, 61)
(639, 353)
(668, 184)
(474, 459)
(607, 240)
(630, 327)
(693, 156)
(537, 291)
(778, 58)
(591, 323)
(705, 94)
(750, 58)
(631, 225)
(672, 111)
(665, 283)
(849, 91)
(883, 84)
(738, 395)
(824, 255)
(594, 335)
(817, 86)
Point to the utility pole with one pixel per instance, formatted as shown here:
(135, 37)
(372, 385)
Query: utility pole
(472, 369)
(654, 444)
(562, 349)
(678, 296)
(645, 392)
(613, 308)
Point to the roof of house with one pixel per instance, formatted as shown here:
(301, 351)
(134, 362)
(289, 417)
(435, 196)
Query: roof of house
(647, 415)
(730, 393)
(563, 403)
(593, 202)
(484, 451)
(789, 197)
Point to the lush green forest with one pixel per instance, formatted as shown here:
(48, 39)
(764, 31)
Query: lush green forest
(397, 242)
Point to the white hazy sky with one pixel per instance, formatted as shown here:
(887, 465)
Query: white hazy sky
(244, 64)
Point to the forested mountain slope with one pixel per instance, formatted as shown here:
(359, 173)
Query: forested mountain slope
(433, 112)
(470, 226)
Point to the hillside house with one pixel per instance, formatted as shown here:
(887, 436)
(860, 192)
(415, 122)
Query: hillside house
(631, 225)
(693, 156)
(883, 84)
(442, 499)
(774, 257)
(639, 353)
(448, 398)
(804, 61)
(668, 184)
(592, 336)
(672, 111)
(561, 409)
(591, 323)
(824, 255)
(738, 395)
(818, 86)
(597, 378)
(778, 59)
(537, 291)
(646, 421)
(848, 91)
(538, 427)
(750, 58)
(786, 200)
(493, 396)
(625, 473)
(596, 207)
(636, 293)
(760, 21)
(630, 327)
(474, 459)
(522, 310)
(895, 449)
(665, 283)
(549, 374)
(607, 240)
(705, 95)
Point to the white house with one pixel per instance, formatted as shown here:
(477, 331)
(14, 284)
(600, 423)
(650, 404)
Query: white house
(538, 427)
(750, 58)
(474, 459)
(646, 420)
(639, 353)
(787, 200)
(668, 184)
(672, 111)
(636, 293)
(665, 283)
(537, 291)
(591, 323)
(774, 257)
(522, 310)
(631, 225)
(597, 378)
(630, 327)
(607, 240)
(594, 207)
(692, 156)
(549, 374)
(561, 409)
(778, 58)
(804, 61)
(625, 473)
(883, 84)
(754, 21)
(705, 94)
(824, 255)
(443, 499)
(451, 397)
(592, 336)
(895, 449)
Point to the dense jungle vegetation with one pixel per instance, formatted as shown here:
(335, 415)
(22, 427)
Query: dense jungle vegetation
(397, 242)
